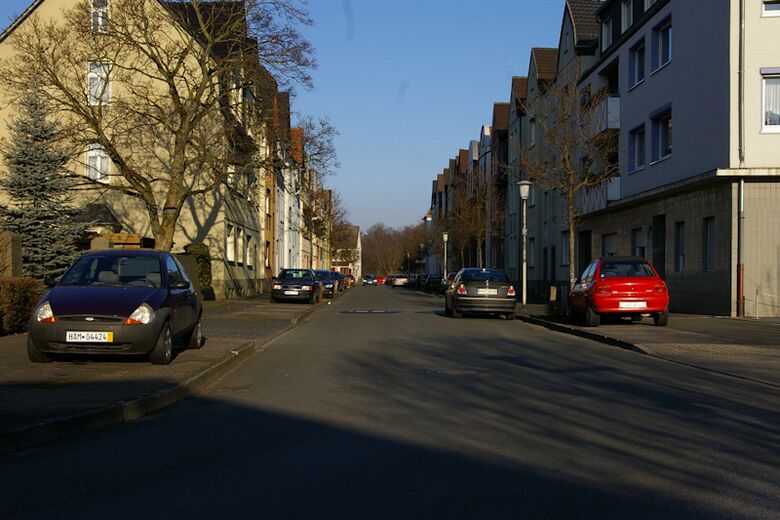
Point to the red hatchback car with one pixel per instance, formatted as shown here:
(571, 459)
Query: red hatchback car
(621, 286)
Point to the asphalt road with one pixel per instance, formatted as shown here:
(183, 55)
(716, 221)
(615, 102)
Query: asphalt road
(409, 414)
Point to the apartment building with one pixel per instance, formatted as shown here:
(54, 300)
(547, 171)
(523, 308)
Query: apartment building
(702, 202)
(233, 219)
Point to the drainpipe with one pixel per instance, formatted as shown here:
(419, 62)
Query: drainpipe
(741, 194)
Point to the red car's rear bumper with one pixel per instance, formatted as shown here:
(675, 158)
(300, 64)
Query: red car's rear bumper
(630, 305)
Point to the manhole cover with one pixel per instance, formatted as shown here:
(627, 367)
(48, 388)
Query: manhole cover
(369, 311)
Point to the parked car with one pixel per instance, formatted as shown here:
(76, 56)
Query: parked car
(339, 278)
(480, 290)
(369, 279)
(350, 280)
(381, 280)
(118, 302)
(298, 285)
(389, 279)
(419, 281)
(433, 282)
(626, 286)
(327, 281)
(400, 280)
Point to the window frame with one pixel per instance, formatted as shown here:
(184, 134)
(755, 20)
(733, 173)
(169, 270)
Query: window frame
(606, 34)
(633, 163)
(97, 150)
(649, 4)
(230, 243)
(767, 129)
(104, 17)
(633, 62)
(770, 13)
(709, 248)
(103, 95)
(657, 118)
(626, 15)
(657, 42)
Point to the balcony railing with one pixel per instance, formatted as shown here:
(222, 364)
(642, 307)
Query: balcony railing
(607, 114)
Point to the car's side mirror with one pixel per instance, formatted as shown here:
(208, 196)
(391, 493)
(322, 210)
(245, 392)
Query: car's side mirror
(49, 281)
(180, 285)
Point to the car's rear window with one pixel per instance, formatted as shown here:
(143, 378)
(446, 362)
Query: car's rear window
(132, 271)
(295, 274)
(485, 276)
(625, 268)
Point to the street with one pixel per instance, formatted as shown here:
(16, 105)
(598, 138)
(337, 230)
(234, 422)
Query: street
(378, 406)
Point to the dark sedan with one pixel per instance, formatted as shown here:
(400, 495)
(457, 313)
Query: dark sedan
(117, 302)
(480, 290)
(329, 285)
(298, 285)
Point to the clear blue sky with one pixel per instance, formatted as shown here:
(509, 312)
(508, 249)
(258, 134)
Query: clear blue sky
(408, 83)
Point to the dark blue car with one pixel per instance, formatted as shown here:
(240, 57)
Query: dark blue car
(117, 301)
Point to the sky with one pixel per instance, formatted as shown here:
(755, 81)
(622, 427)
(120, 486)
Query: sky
(408, 83)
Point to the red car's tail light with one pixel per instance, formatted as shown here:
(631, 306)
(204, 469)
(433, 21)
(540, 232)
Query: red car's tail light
(603, 289)
(660, 288)
(461, 289)
(511, 291)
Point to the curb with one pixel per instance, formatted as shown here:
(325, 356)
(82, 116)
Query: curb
(124, 412)
(607, 340)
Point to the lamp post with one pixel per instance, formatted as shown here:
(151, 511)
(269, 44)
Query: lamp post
(524, 188)
(445, 237)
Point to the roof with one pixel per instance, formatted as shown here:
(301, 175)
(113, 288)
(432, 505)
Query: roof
(584, 19)
(440, 182)
(296, 145)
(519, 87)
(500, 117)
(545, 62)
(463, 160)
(216, 16)
(19, 19)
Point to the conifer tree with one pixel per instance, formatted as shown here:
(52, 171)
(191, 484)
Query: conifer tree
(38, 192)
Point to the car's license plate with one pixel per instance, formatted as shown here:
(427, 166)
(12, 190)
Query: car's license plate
(488, 292)
(633, 305)
(291, 293)
(89, 337)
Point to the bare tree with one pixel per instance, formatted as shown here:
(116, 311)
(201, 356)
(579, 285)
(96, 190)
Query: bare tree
(381, 251)
(483, 210)
(165, 89)
(343, 235)
(577, 153)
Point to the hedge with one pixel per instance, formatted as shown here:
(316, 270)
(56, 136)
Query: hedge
(200, 251)
(18, 297)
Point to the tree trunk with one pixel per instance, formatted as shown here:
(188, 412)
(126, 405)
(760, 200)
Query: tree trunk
(479, 253)
(571, 224)
(163, 235)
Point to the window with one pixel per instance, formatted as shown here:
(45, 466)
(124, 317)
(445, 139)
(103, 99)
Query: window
(267, 254)
(649, 4)
(532, 132)
(708, 247)
(250, 256)
(638, 242)
(772, 7)
(174, 275)
(240, 245)
(609, 244)
(662, 44)
(679, 246)
(531, 252)
(230, 244)
(636, 149)
(100, 15)
(98, 83)
(606, 34)
(627, 14)
(662, 134)
(97, 163)
(636, 63)
(772, 103)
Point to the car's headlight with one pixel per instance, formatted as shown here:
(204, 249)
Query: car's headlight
(277, 286)
(44, 314)
(307, 288)
(141, 316)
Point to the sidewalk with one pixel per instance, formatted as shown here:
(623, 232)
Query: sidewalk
(739, 347)
(44, 402)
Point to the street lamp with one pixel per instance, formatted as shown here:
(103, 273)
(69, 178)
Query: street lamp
(524, 188)
(445, 237)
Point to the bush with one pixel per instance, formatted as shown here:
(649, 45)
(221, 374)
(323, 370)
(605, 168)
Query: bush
(18, 297)
(200, 251)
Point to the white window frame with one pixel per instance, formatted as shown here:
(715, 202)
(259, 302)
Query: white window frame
(656, 152)
(770, 14)
(765, 128)
(101, 171)
(248, 246)
(626, 15)
(230, 243)
(657, 41)
(101, 16)
(100, 93)
(606, 34)
(633, 149)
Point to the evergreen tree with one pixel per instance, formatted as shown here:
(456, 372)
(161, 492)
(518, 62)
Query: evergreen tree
(39, 193)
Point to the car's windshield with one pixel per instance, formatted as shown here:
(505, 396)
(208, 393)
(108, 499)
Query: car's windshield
(612, 268)
(485, 276)
(295, 274)
(130, 271)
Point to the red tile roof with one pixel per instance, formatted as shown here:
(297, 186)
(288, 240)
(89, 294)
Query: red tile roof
(584, 17)
(500, 117)
(519, 88)
(546, 63)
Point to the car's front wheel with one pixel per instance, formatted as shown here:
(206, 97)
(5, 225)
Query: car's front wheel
(35, 355)
(162, 353)
(511, 316)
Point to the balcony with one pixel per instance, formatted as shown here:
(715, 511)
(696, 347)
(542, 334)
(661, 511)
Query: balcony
(606, 115)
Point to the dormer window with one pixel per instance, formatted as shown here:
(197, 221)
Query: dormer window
(627, 12)
(100, 15)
